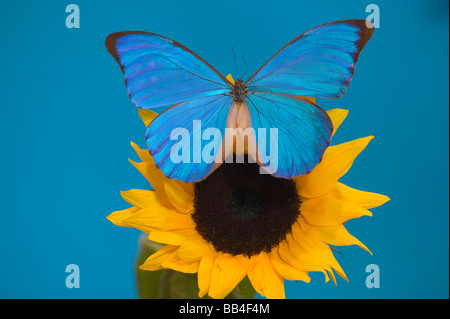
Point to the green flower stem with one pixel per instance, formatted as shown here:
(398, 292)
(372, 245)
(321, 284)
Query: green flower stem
(170, 284)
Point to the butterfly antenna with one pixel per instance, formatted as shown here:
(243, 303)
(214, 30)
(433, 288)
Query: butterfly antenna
(235, 63)
(246, 66)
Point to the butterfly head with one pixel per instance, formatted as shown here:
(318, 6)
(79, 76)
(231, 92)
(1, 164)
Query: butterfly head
(239, 91)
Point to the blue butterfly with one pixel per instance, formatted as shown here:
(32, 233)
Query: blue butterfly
(160, 72)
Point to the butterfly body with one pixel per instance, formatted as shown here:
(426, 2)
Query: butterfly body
(160, 72)
(239, 91)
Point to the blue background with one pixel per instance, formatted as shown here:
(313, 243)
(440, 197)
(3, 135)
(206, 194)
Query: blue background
(67, 123)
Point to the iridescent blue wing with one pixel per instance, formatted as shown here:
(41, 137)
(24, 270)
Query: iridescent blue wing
(303, 132)
(185, 140)
(160, 72)
(318, 63)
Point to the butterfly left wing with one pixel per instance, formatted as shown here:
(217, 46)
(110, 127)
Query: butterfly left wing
(160, 72)
(303, 132)
(319, 63)
(186, 140)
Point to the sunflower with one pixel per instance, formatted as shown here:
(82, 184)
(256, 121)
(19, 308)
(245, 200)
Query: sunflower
(239, 223)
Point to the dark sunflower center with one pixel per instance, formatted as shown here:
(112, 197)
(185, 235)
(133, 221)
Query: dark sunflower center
(244, 203)
(240, 211)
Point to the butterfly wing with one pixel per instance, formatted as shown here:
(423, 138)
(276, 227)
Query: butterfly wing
(303, 132)
(160, 72)
(319, 63)
(184, 148)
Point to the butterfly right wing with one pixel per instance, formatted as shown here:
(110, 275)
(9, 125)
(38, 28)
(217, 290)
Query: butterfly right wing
(303, 132)
(319, 63)
(160, 72)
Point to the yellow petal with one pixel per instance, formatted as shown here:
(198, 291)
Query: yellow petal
(141, 198)
(264, 278)
(332, 235)
(311, 99)
(147, 116)
(251, 275)
(176, 263)
(327, 211)
(147, 220)
(161, 220)
(204, 272)
(180, 222)
(226, 273)
(148, 169)
(336, 162)
(143, 154)
(150, 173)
(364, 199)
(118, 217)
(230, 78)
(318, 248)
(154, 262)
(166, 237)
(286, 270)
(193, 249)
(300, 258)
(180, 196)
(337, 116)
